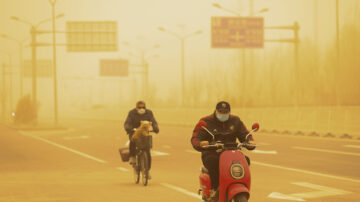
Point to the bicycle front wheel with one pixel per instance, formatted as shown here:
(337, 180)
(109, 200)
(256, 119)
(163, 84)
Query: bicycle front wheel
(144, 168)
(137, 171)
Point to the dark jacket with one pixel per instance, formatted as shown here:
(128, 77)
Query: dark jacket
(133, 120)
(234, 126)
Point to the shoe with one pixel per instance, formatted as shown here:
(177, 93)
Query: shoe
(132, 160)
(213, 196)
(212, 193)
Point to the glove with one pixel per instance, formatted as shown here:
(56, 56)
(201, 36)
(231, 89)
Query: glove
(251, 145)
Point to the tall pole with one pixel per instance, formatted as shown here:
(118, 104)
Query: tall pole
(182, 52)
(182, 41)
(337, 68)
(298, 88)
(54, 61)
(21, 69)
(144, 87)
(146, 74)
(11, 71)
(243, 86)
(3, 93)
(34, 73)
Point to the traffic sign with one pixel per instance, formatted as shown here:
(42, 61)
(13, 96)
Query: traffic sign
(237, 32)
(83, 36)
(43, 68)
(114, 67)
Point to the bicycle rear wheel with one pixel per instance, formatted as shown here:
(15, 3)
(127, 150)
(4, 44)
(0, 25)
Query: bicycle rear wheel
(144, 168)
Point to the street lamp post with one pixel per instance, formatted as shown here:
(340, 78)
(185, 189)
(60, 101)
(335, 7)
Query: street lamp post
(337, 52)
(182, 50)
(3, 93)
(34, 44)
(53, 2)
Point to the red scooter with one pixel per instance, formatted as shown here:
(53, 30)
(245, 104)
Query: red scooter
(234, 173)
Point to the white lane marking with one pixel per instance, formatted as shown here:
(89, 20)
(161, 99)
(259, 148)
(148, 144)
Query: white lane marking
(327, 151)
(48, 132)
(263, 143)
(192, 151)
(166, 146)
(66, 148)
(184, 191)
(322, 192)
(122, 169)
(353, 146)
(77, 137)
(158, 153)
(263, 151)
(277, 195)
(306, 172)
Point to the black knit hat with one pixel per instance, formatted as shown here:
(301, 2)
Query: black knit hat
(223, 106)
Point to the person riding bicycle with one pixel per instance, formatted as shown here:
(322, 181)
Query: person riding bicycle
(135, 116)
(221, 121)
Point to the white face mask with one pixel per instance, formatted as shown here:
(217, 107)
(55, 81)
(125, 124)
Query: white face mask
(141, 111)
(222, 117)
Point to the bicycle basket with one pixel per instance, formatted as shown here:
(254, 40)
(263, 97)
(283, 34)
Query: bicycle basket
(124, 154)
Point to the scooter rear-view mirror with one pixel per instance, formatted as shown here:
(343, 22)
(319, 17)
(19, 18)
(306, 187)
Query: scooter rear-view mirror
(255, 127)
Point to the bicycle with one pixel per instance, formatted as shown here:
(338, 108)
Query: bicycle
(141, 165)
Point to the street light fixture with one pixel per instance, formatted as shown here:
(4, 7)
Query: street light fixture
(39, 23)
(182, 43)
(216, 5)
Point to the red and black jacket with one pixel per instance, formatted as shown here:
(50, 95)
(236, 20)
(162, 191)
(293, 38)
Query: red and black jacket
(234, 126)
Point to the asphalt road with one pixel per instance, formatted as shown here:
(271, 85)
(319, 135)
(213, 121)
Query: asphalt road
(83, 164)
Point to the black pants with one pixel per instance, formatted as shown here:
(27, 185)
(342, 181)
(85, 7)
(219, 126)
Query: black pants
(132, 150)
(211, 162)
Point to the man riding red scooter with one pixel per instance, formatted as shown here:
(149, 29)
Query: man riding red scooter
(215, 136)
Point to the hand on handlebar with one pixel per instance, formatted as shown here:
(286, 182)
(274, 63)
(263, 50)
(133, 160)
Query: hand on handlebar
(250, 145)
(204, 143)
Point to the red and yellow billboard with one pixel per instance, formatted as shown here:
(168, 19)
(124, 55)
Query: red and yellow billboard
(237, 32)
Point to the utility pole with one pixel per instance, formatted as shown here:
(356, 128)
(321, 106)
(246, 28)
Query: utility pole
(183, 90)
(337, 68)
(34, 73)
(11, 71)
(54, 61)
(144, 77)
(3, 93)
(21, 63)
(182, 52)
(298, 87)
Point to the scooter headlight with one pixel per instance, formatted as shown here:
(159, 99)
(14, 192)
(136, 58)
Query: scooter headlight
(237, 171)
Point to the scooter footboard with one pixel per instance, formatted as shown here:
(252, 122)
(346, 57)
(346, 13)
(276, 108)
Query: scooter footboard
(235, 189)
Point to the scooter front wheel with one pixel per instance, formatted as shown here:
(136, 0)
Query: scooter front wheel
(240, 198)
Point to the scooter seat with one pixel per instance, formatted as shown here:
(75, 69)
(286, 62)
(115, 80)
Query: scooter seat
(204, 170)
